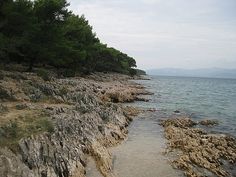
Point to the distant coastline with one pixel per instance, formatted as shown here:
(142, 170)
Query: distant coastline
(204, 73)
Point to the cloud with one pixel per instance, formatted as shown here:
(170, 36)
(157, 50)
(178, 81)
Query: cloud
(161, 33)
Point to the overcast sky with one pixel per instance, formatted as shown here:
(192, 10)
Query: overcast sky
(166, 33)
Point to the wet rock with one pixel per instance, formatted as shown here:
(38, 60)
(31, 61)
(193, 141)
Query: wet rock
(131, 111)
(209, 122)
(202, 153)
(141, 99)
(178, 122)
(176, 111)
(152, 110)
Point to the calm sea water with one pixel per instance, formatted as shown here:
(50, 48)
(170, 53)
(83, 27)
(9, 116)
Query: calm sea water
(201, 98)
(141, 155)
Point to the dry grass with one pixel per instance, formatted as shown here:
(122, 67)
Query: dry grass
(17, 124)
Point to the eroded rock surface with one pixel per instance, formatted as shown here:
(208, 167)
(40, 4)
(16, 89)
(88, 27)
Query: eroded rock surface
(209, 122)
(84, 116)
(199, 153)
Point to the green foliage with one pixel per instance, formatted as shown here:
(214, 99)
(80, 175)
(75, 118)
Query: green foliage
(140, 72)
(43, 74)
(68, 72)
(45, 32)
(1, 75)
(25, 126)
(10, 130)
(133, 72)
(44, 125)
(5, 95)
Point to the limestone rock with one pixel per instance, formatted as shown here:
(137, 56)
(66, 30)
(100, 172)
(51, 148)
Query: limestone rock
(202, 153)
(85, 118)
(209, 122)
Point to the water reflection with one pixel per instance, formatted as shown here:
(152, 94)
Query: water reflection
(141, 155)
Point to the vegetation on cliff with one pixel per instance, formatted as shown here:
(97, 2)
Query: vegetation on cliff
(46, 33)
(140, 72)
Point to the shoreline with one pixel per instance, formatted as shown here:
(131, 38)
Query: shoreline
(198, 152)
(222, 164)
(71, 120)
(142, 153)
(83, 114)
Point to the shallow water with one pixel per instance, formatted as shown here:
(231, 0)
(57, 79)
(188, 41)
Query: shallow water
(200, 98)
(141, 155)
(91, 169)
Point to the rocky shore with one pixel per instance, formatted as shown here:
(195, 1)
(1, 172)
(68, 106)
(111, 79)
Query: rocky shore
(49, 127)
(197, 152)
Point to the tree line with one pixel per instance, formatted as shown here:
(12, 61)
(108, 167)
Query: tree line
(45, 33)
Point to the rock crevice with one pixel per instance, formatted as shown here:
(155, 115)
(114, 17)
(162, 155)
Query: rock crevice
(198, 152)
(85, 122)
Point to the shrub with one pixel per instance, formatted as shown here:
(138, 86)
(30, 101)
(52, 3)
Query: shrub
(10, 130)
(17, 76)
(44, 74)
(45, 125)
(4, 95)
(68, 73)
(1, 75)
(25, 126)
(9, 136)
(133, 72)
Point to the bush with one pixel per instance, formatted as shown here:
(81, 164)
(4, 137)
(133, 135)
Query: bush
(1, 75)
(9, 136)
(68, 73)
(132, 72)
(17, 76)
(141, 72)
(24, 126)
(44, 74)
(4, 95)
(46, 125)
(10, 130)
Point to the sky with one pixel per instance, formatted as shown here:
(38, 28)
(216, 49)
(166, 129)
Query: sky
(166, 33)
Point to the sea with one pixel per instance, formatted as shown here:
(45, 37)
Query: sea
(142, 154)
(198, 98)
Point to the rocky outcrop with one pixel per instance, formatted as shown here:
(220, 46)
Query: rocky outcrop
(120, 91)
(85, 122)
(199, 153)
(209, 122)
